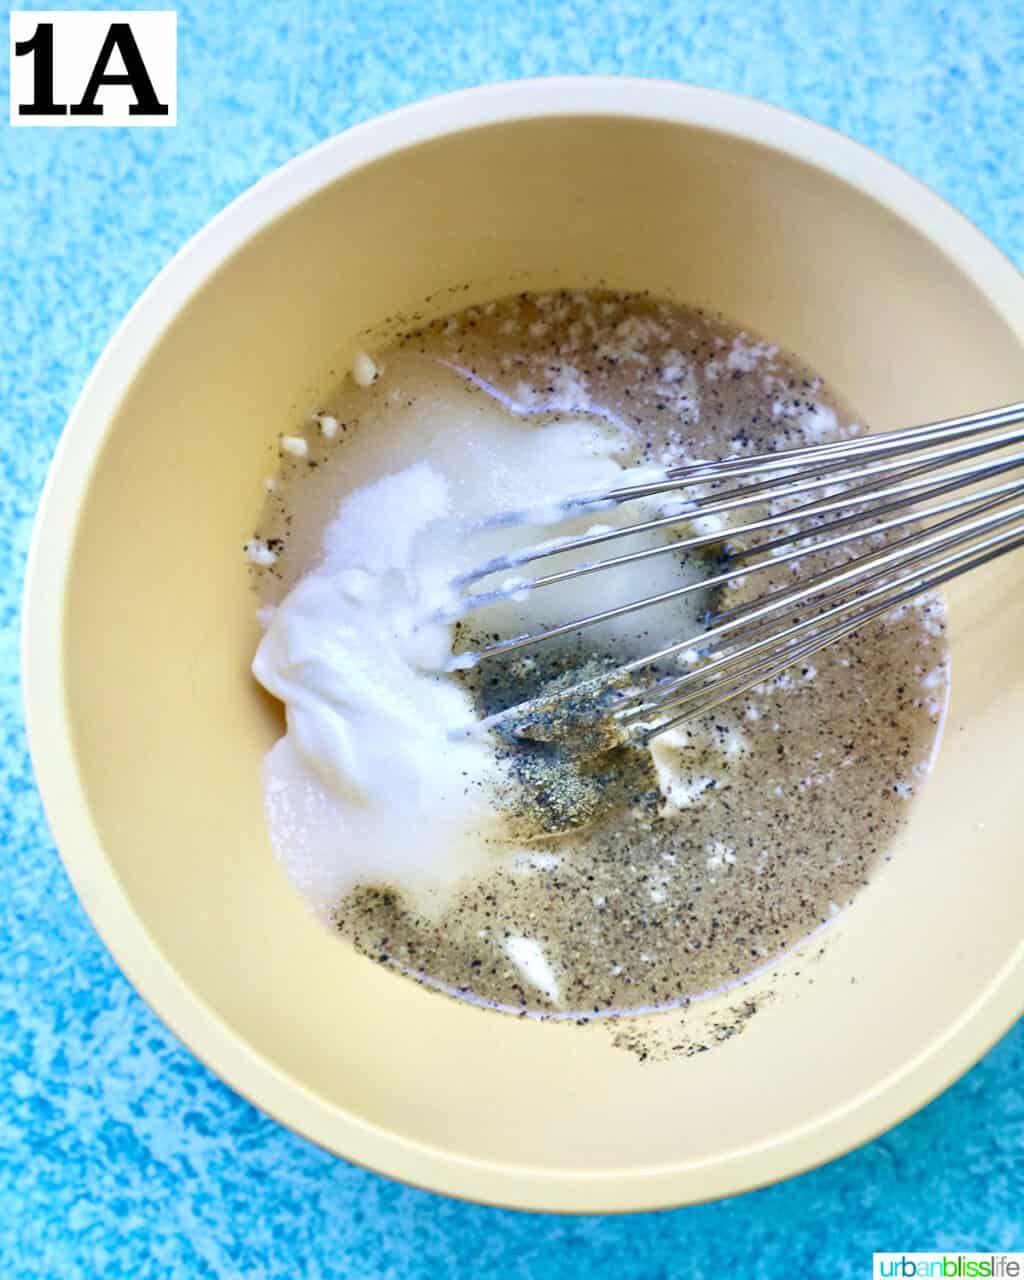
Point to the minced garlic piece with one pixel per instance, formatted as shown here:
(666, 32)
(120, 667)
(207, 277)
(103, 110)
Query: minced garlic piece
(328, 424)
(259, 553)
(364, 369)
(295, 445)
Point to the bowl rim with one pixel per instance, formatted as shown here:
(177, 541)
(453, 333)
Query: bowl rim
(205, 1034)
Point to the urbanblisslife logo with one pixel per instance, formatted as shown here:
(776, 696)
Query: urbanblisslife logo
(950, 1266)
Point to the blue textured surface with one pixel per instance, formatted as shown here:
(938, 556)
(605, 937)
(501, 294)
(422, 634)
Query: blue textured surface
(119, 1153)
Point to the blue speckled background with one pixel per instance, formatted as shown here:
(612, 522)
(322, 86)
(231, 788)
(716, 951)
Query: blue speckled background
(120, 1154)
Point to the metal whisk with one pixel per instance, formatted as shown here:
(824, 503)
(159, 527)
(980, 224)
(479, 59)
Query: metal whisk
(898, 513)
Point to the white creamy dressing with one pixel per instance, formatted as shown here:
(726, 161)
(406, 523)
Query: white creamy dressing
(369, 786)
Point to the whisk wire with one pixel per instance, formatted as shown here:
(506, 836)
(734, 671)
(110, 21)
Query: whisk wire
(868, 489)
(849, 596)
(768, 670)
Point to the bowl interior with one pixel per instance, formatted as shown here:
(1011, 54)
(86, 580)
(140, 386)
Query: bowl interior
(168, 728)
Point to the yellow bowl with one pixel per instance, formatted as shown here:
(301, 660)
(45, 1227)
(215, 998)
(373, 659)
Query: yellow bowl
(147, 730)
